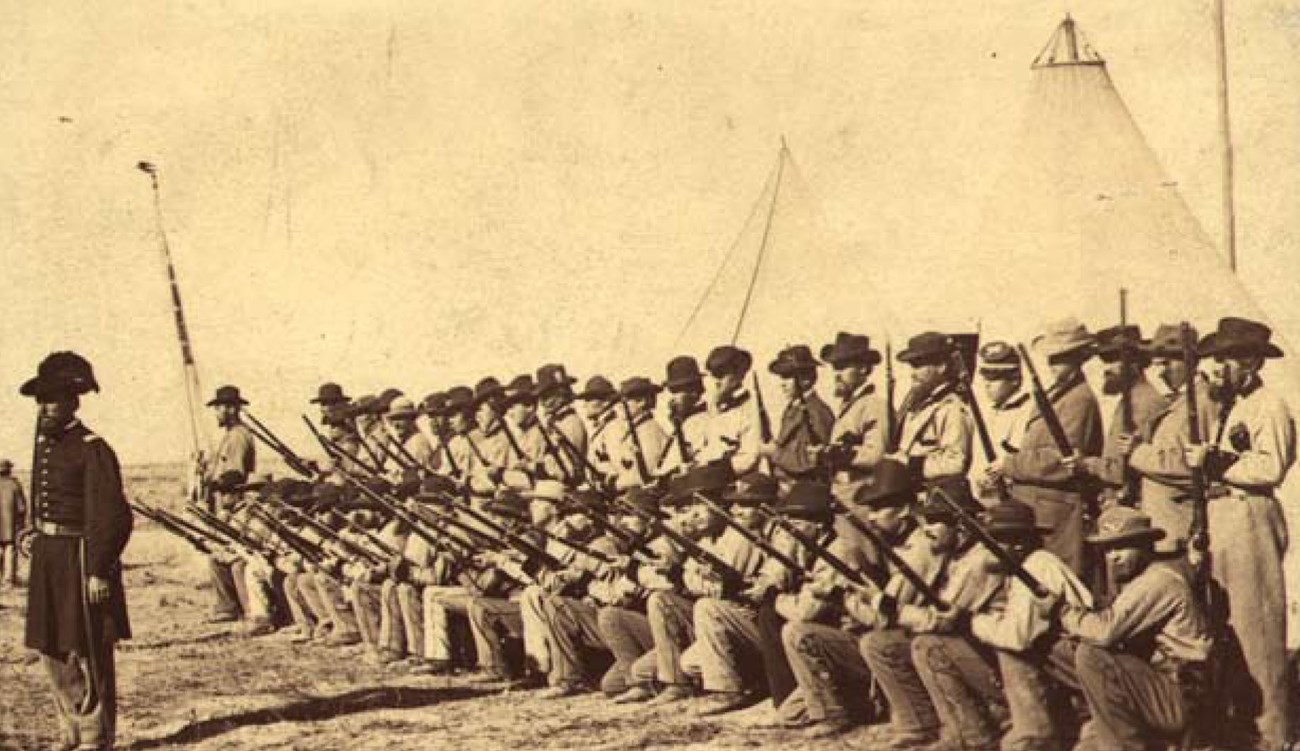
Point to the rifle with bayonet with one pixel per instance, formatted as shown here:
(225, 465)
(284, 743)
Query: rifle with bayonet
(200, 543)
(855, 578)
(918, 582)
(981, 427)
(1130, 481)
(1045, 408)
(291, 538)
(752, 537)
(692, 549)
(891, 412)
(521, 544)
(1198, 539)
(641, 468)
(976, 530)
(553, 451)
(336, 452)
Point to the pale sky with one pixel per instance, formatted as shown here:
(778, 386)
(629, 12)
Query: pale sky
(421, 194)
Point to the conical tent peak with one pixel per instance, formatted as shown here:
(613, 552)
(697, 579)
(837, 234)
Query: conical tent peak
(1067, 46)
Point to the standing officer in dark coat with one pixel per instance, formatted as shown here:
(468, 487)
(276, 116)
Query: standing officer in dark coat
(76, 607)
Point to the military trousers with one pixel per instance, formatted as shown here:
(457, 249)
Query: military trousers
(888, 653)
(961, 678)
(261, 598)
(301, 612)
(9, 562)
(85, 697)
(1132, 704)
(726, 654)
(626, 632)
(1248, 539)
(572, 631)
(365, 600)
(1038, 683)
(443, 606)
(832, 678)
(334, 599)
(672, 631)
(225, 598)
(537, 645)
(494, 622)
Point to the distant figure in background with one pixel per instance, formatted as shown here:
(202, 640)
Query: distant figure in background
(76, 606)
(13, 514)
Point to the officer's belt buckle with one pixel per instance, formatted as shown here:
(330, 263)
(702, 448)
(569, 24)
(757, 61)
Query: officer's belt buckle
(53, 529)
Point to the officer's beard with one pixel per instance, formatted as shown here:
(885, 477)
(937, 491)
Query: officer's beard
(52, 426)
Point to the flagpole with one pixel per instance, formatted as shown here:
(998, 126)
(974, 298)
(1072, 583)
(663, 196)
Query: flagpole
(192, 392)
(1225, 134)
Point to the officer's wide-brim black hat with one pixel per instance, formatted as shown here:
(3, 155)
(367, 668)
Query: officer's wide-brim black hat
(61, 373)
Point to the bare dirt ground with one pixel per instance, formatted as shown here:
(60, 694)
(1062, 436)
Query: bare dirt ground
(186, 684)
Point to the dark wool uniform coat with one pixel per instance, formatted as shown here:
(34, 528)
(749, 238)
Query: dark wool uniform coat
(76, 484)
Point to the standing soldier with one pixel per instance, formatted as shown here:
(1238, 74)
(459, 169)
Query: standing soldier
(76, 606)
(1158, 457)
(1008, 411)
(1043, 478)
(934, 433)
(732, 431)
(806, 420)
(561, 422)
(599, 399)
(13, 515)
(236, 449)
(330, 397)
(687, 414)
(409, 443)
(642, 438)
(1247, 530)
(1126, 360)
(857, 440)
(233, 462)
(488, 441)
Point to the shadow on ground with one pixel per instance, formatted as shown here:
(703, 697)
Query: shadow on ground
(308, 710)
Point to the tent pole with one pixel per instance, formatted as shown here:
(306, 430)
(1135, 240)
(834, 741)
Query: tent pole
(1225, 135)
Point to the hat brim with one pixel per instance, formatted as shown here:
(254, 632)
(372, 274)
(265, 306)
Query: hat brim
(681, 384)
(240, 402)
(923, 357)
(836, 358)
(640, 391)
(1136, 537)
(38, 387)
(1213, 345)
(787, 369)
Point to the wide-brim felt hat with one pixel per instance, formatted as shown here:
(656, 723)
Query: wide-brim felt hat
(806, 499)
(727, 360)
(753, 488)
(850, 349)
(385, 399)
(712, 478)
(638, 386)
(330, 393)
(889, 483)
(228, 395)
(683, 372)
(1167, 341)
(1063, 337)
(488, 389)
(402, 407)
(927, 347)
(794, 360)
(459, 398)
(1239, 336)
(1011, 519)
(434, 404)
(1120, 341)
(597, 388)
(520, 389)
(61, 373)
(1121, 526)
(955, 489)
(554, 377)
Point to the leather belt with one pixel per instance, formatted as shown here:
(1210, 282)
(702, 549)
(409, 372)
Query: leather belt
(54, 529)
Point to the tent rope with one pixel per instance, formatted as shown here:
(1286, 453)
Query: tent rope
(762, 246)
